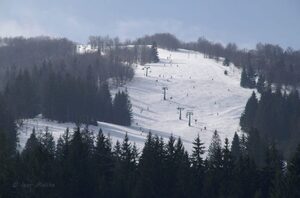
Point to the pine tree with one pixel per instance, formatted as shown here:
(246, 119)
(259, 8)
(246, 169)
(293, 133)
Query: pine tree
(36, 165)
(215, 151)
(81, 181)
(272, 169)
(183, 185)
(212, 181)
(251, 77)
(62, 156)
(170, 167)
(248, 78)
(226, 62)
(227, 171)
(198, 151)
(122, 109)
(125, 170)
(244, 78)
(154, 53)
(151, 169)
(103, 165)
(293, 175)
(248, 116)
(197, 163)
(260, 86)
(105, 105)
(236, 147)
(8, 172)
(256, 147)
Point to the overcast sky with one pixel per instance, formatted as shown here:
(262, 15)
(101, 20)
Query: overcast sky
(245, 22)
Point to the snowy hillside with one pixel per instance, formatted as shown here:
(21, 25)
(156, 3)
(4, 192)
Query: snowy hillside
(193, 82)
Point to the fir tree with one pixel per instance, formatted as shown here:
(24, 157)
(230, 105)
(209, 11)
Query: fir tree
(293, 175)
(248, 78)
(122, 109)
(197, 163)
(227, 171)
(248, 116)
(215, 151)
(154, 53)
(260, 86)
(103, 165)
(236, 147)
(226, 62)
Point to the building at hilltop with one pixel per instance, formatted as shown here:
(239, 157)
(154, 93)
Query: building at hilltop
(86, 48)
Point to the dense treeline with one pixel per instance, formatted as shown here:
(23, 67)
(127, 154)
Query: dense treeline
(128, 51)
(113, 59)
(81, 165)
(163, 40)
(65, 98)
(47, 76)
(275, 116)
(25, 53)
(271, 62)
(59, 54)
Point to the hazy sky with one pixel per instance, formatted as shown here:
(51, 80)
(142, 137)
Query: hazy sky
(245, 22)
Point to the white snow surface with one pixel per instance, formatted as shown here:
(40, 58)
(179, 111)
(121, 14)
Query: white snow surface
(195, 83)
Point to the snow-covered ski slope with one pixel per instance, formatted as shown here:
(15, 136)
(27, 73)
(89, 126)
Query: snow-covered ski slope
(195, 83)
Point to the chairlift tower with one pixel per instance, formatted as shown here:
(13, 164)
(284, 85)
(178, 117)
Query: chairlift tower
(165, 91)
(180, 110)
(146, 68)
(189, 114)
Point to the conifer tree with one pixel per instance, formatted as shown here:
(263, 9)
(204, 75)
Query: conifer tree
(236, 147)
(248, 116)
(244, 78)
(293, 175)
(227, 171)
(103, 165)
(214, 167)
(248, 78)
(215, 151)
(197, 163)
(154, 53)
(122, 109)
(226, 62)
(198, 151)
(260, 86)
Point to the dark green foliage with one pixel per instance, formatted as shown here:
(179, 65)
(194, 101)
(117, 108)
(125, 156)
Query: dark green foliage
(248, 78)
(248, 116)
(226, 62)
(293, 175)
(256, 147)
(275, 116)
(261, 84)
(215, 151)
(272, 172)
(64, 98)
(86, 166)
(82, 165)
(8, 127)
(154, 53)
(197, 166)
(125, 169)
(236, 147)
(104, 165)
(122, 109)
(22, 93)
(151, 169)
(163, 40)
(226, 188)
